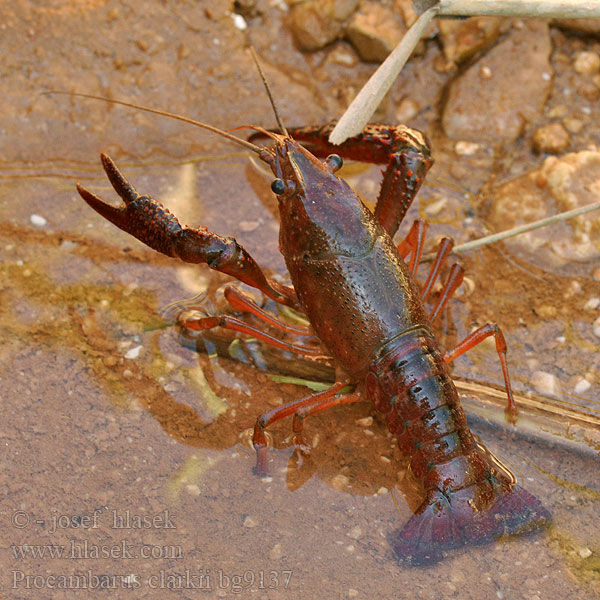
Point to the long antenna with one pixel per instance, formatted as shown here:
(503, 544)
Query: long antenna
(264, 80)
(225, 134)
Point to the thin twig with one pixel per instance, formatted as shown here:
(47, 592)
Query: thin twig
(368, 99)
(546, 9)
(503, 235)
(359, 112)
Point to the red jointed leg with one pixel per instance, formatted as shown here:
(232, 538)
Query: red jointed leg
(476, 338)
(240, 301)
(405, 151)
(281, 412)
(413, 244)
(455, 278)
(227, 322)
(153, 224)
(319, 406)
(444, 249)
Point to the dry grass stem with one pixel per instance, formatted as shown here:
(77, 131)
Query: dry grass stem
(503, 235)
(368, 99)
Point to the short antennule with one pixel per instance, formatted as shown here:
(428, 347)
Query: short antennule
(265, 83)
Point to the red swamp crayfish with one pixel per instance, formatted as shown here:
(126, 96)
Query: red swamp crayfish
(360, 297)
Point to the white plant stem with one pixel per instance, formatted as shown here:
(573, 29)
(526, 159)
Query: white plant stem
(503, 235)
(368, 99)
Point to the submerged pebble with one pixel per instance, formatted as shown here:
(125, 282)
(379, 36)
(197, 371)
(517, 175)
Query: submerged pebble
(134, 352)
(546, 383)
(583, 385)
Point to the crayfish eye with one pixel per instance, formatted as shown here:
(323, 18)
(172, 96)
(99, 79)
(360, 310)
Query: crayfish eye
(278, 186)
(334, 162)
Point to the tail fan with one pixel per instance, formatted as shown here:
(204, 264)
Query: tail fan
(447, 521)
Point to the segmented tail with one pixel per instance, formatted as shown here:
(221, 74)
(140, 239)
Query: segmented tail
(447, 521)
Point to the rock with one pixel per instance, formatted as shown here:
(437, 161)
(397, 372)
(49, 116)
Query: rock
(316, 23)
(566, 182)
(588, 90)
(495, 108)
(587, 63)
(461, 39)
(574, 180)
(375, 31)
(551, 139)
(407, 109)
(546, 384)
(591, 26)
(276, 552)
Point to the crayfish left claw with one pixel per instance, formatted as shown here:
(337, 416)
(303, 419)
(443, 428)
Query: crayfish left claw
(154, 225)
(117, 215)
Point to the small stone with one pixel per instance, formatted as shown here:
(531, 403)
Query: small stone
(462, 38)
(276, 552)
(355, 533)
(339, 482)
(374, 31)
(589, 91)
(573, 124)
(239, 22)
(134, 352)
(558, 112)
(316, 23)
(546, 383)
(38, 220)
(407, 109)
(546, 311)
(109, 361)
(585, 552)
(192, 489)
(587, 63)
(250, 522)
(343, 55)
(592, 304)
(583, 385)
(365, 422)
(247, 226)
(465, 148)
(435, 208)
(551, 139)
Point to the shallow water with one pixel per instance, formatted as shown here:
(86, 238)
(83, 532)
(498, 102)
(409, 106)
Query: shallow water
(127, 451)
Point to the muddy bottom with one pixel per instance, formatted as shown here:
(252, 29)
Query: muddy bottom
(128, 466)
